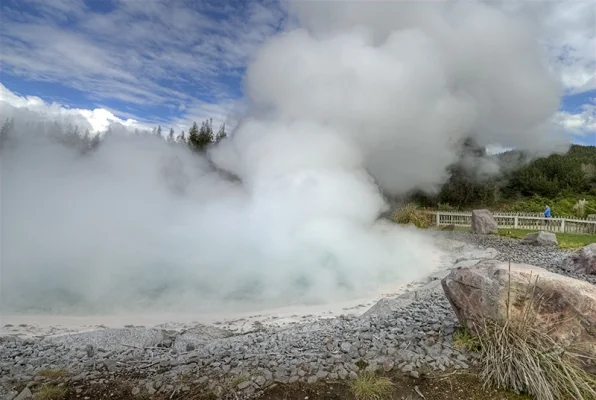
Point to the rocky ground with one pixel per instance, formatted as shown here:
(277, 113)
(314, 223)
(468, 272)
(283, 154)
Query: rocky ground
(409, 334)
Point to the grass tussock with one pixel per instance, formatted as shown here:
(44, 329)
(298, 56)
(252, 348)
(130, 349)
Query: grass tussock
(526, 360)
(518, 356)
(368, 386)
(51, 392)
(412, 214)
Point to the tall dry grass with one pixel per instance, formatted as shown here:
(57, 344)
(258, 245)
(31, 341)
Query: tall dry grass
(518, 356)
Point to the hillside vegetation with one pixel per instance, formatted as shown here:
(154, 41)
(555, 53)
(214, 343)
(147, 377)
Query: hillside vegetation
(561, 181)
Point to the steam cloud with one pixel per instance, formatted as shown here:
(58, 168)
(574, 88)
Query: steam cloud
(355, 99)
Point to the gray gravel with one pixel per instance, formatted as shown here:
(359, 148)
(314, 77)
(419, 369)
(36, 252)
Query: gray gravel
(413, 331)
(550, 258)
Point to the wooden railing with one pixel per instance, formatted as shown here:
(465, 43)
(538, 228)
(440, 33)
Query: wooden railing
(519, 221)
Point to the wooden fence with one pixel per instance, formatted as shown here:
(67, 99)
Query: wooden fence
(519, 221)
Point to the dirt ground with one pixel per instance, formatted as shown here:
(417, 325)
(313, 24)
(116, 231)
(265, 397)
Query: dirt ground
(447, 386)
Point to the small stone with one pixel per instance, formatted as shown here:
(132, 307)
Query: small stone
(90, 350)
(407, 368)
(322, 374)
(345, 347)
(388, 365)
(311, 380)
(294, 379)
(353, 375)
(25, 394)
(110, 365)
(415, 374)
(136, 391)
(243, 385)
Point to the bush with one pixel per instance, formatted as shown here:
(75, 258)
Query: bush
(412, 214)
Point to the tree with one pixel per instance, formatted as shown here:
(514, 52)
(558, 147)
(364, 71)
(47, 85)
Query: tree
(171, 137)
(158, 132)
(182, 137)
(193, 137)
(199, 139)
(221, 133)
(205, 135)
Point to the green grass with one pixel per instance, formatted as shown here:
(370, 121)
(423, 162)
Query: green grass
(464, 340)
(568, 241)
(51, 392)
(368, 386)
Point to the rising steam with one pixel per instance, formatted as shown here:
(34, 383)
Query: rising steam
(361, 97)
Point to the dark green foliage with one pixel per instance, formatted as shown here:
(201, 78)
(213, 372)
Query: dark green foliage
(193, 136)
(550, 176)
(199, 139)
(559, 180)
(221, 133)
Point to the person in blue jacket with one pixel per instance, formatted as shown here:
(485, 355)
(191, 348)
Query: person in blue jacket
(547, 214)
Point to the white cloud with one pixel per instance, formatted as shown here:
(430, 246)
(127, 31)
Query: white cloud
(156, 52)
(579, 124)
(97, 120)
(567, 31)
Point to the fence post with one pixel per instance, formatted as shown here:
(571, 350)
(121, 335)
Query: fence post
(515, 222)
(563, 225)
(438, 218)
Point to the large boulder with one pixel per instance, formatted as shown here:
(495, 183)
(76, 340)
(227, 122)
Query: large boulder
(541, 238)
(582, 261)
(483, 222)
(562, 306)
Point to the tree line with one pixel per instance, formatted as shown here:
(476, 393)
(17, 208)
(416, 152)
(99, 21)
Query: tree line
(197, 138)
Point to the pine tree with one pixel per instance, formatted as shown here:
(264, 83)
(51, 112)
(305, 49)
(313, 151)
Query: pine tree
(158, 132)
(193, 137)
(221, 133)
(182, 137)
(205, 136)
(171, 137)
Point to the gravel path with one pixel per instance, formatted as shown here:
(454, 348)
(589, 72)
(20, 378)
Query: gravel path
(417, 334)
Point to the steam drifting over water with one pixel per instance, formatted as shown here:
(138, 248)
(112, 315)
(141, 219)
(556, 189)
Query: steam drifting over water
(361, 97)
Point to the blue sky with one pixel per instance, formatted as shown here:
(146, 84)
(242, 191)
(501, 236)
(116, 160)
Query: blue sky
(170, 62)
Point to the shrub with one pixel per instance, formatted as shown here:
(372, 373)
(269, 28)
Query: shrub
(412, 214)
(367, 386)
